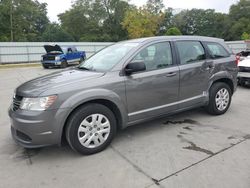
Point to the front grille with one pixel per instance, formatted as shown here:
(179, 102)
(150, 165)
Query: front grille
(16, 102)
(49, 64)
(48, 58)
(244, 69)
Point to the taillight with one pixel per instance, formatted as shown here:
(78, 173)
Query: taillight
(237, 59)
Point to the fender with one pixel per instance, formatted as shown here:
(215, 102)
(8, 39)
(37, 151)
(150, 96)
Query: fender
(218, 76)
(90, 95)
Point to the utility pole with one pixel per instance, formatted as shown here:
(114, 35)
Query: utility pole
(11, 21)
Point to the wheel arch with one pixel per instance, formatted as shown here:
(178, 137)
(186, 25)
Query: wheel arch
(228, 81)
(120, 119)
(225, 78)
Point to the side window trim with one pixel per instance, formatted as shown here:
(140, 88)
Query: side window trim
(177, 54)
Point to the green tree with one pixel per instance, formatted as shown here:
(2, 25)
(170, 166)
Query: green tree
(201, 22)
(112, 27)
(240, 10)
(141, 23)
(54, 33)
(78, 21)
(167, 21)
(22, 20)
(239, 15)
(173, 31)
(245, 36)
(155, 6)
(95, 20)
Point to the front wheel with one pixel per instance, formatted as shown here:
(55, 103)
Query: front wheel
(219, 98)
(45, 66)
(64, 64)
(91, 128)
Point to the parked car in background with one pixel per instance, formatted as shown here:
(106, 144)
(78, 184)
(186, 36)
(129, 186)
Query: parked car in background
(243, 55)
(58, 56)
(124, 84)
(244, 68)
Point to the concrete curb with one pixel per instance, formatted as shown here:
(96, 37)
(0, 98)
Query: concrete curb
(7, 66)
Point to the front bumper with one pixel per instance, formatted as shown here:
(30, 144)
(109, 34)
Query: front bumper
(33, 129)
(244, 78)
(52, 63)
(244, 75)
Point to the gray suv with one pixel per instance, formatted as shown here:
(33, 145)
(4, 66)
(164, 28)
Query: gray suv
(123, 84)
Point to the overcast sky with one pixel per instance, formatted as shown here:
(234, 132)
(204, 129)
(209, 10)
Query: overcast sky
(56, 7)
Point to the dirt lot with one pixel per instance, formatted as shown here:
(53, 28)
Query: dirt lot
(188, 150)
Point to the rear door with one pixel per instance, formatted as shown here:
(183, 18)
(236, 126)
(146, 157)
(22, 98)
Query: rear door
(194, 72)
(154, 91)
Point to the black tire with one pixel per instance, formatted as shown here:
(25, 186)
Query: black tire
(241, 82)
(81, 60)
(212, 107)
(45, 67)
(74, 123)
(64, 64)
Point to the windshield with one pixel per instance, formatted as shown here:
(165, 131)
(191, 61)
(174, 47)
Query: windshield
(107, 58)
(64, 49)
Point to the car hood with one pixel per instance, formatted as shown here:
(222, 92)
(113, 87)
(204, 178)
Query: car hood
(39, 85)
(53, 48)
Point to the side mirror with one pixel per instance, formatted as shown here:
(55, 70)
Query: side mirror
(135, 66)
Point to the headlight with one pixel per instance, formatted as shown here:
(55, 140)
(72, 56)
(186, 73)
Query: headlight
(37, 104)
(57, 58)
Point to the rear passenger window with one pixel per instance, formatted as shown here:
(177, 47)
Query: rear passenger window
(190, 51)
(216, 50)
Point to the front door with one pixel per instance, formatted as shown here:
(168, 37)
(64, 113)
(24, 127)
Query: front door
(70, 55)
(154, 91)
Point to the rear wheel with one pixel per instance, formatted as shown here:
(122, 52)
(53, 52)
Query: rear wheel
(81, 60)
(91, 128)
(219, 98)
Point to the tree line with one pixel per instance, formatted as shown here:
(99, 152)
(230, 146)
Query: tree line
(115, 20)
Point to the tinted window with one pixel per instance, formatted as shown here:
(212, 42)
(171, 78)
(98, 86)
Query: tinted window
(190, 51)
(216, 50)
(155, 56)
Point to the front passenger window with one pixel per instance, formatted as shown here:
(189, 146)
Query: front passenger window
(190, 51)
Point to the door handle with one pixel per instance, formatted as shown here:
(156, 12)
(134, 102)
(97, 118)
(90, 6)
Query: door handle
(171, 74)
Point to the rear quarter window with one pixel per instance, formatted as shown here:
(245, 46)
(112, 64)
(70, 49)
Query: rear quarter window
(216, 50)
